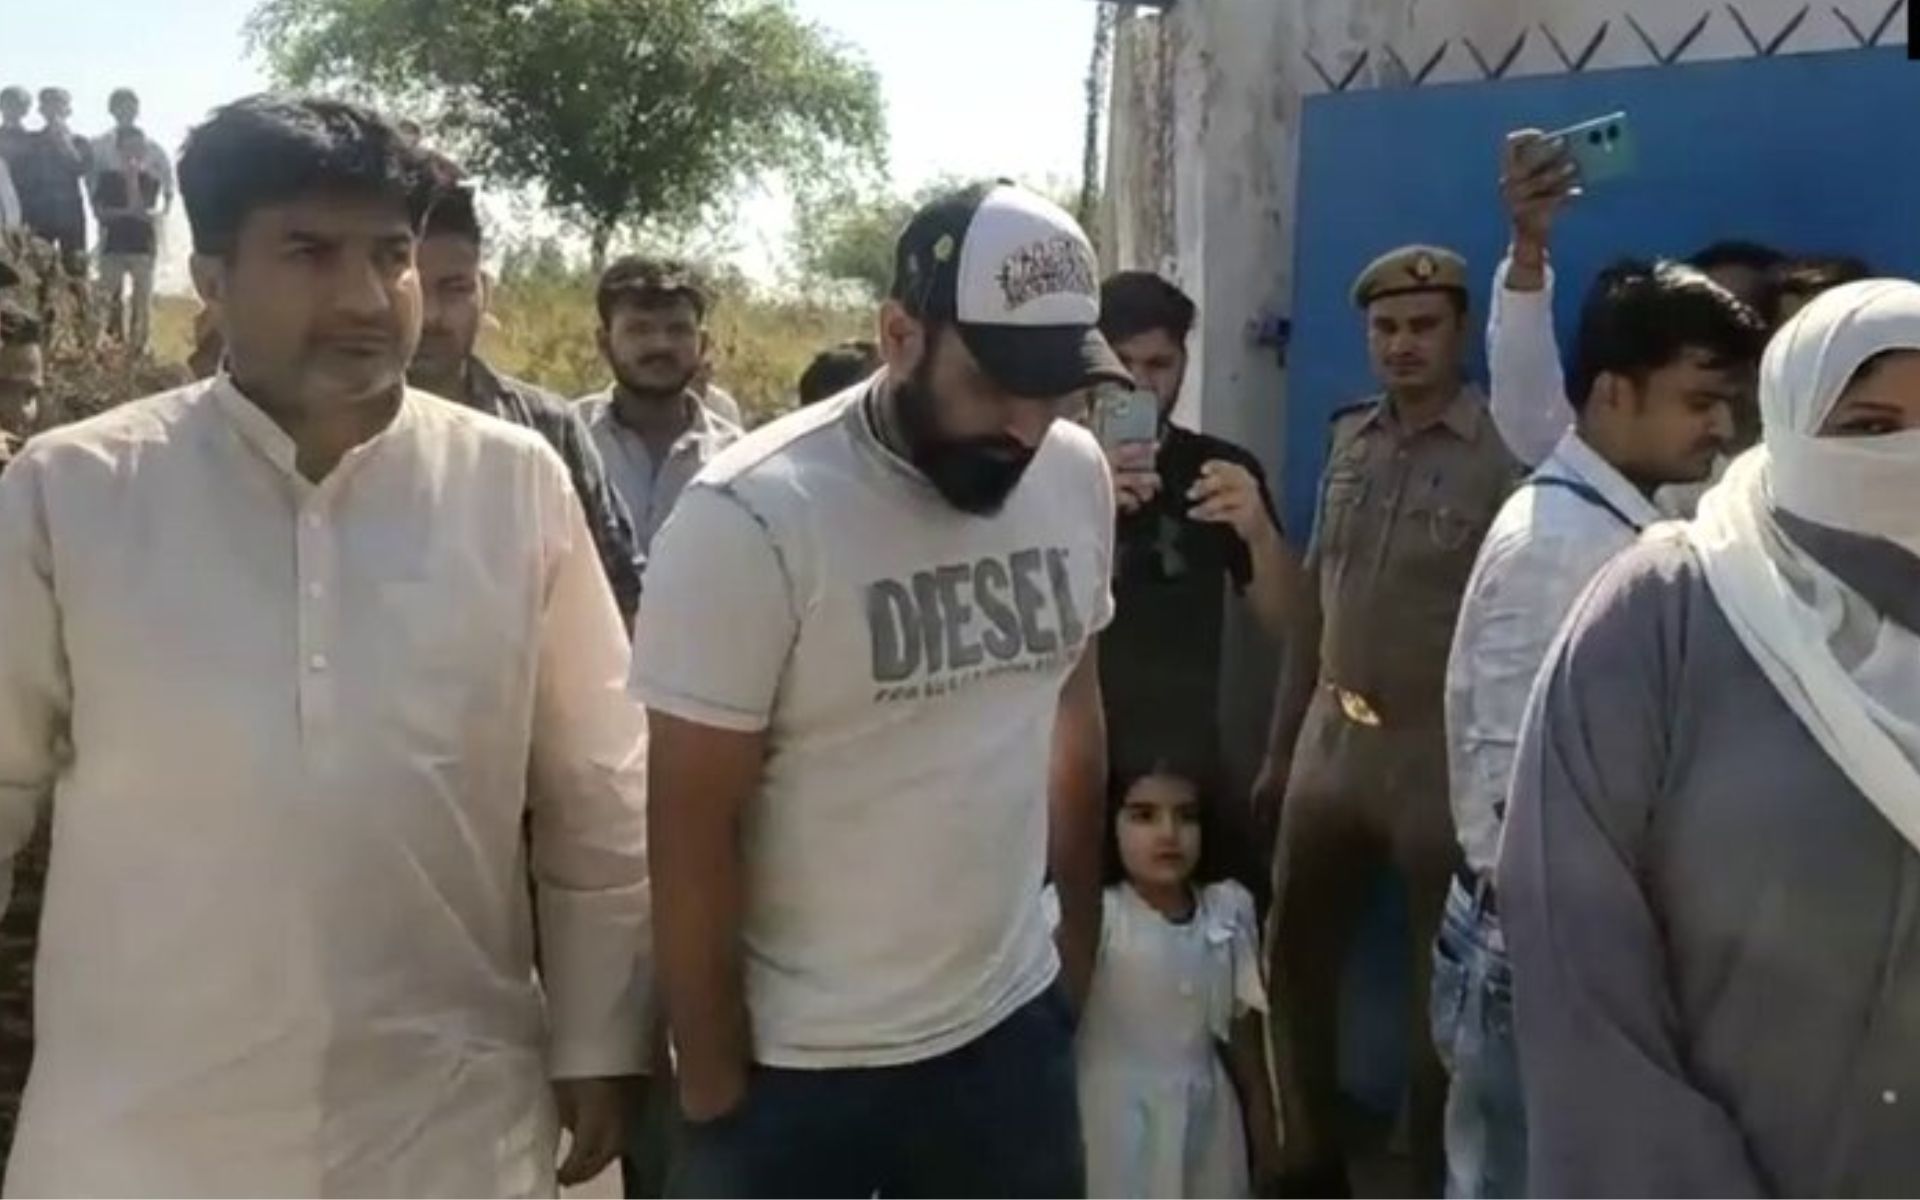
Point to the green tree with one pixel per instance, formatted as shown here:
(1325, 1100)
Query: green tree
(627, 114)
(848, 236)
(851, 240)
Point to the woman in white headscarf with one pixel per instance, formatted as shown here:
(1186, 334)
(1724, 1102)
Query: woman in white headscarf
(1710, 881)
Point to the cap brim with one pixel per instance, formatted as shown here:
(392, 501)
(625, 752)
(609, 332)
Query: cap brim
(1045, 361)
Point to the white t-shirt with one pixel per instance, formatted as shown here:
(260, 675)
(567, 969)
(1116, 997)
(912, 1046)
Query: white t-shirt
(906, 660)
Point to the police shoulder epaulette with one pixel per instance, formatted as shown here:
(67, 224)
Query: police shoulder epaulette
(1348, 410)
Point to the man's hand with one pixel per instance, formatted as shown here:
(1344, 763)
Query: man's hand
(1537, 179)
(1227, 494)
(710, 1095)
(1269, 791)
(1135, 481)
(594, 1112)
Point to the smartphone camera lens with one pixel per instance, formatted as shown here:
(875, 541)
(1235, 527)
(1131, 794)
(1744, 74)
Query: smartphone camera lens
(1596, 138)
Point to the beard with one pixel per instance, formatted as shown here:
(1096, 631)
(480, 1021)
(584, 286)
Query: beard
(654, 388)
(438, 361)
(974, 474)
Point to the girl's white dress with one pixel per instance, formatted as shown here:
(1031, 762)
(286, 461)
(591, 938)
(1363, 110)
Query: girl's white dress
(1159, 1109)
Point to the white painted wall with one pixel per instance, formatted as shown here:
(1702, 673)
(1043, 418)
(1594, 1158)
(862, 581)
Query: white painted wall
(1240, 71)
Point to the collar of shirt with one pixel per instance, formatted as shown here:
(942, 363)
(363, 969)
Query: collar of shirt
(485, 389)
(1574, 459)
(259, 432)
(702, 429)
(1464, 415)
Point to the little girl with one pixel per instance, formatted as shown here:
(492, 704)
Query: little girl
(1175, 1097)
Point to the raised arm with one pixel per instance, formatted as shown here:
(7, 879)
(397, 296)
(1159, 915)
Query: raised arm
(1528, 397)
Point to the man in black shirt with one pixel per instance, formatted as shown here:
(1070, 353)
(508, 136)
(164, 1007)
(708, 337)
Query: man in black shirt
(48, 166)
(1196, 524)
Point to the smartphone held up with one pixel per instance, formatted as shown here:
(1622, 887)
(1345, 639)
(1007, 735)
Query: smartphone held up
(1598, 151)
(1124, 416)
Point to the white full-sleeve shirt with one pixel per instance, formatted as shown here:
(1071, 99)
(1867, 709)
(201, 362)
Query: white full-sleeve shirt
(1547, 543)
(303, 743)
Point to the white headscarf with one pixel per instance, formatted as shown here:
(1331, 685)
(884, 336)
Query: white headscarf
(1848, 672)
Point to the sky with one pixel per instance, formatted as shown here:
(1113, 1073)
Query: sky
(972, 87)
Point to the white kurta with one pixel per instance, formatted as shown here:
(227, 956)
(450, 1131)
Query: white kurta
(292, 734)
(1158, 1108)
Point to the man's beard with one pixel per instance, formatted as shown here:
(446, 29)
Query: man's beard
(630, 382)
(975, 475)
(439, 363)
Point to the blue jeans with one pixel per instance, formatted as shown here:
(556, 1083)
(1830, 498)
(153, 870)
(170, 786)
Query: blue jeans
(1473, 1031)
(997, 1117)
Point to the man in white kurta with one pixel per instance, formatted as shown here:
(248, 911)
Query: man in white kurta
(289, 732)
(302, 733)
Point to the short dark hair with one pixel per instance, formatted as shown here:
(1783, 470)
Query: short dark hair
(1808, 277)
(1736, 253)
(122, 93)
(836, 369)
(649, 283)
(268, 149)
(16, 94)
(1639, 317)
(1137, 302)
(1193, 767)
(49, 93)
(453, 212)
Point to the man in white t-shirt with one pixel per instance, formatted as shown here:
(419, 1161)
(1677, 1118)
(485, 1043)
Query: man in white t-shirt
(867, 641)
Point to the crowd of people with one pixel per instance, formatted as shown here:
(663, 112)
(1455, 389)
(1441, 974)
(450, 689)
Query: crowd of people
(403, 764)
(50, 176)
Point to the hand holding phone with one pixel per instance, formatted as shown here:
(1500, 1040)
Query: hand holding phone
(1537, 178)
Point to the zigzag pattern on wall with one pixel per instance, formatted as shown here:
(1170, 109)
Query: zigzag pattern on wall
(1575, 50)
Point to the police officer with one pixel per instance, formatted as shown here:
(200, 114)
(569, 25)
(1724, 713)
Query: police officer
(1414, 477)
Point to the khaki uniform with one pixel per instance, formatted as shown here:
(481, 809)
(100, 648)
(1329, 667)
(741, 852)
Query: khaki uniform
(1401, 517)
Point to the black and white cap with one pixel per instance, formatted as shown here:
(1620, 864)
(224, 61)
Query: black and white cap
(1018, 278)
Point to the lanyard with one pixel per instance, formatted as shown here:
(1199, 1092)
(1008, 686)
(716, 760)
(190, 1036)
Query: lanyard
(1587, 492)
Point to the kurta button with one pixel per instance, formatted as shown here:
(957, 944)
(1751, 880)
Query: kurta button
(318, 662)
(1889, 1097)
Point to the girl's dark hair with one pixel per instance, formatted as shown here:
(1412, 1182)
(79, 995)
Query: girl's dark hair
(266, 150)
(1198, 770)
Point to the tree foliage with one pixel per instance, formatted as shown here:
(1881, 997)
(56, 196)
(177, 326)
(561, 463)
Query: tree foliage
(626, 113)
(850, 239)
(849, 235)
